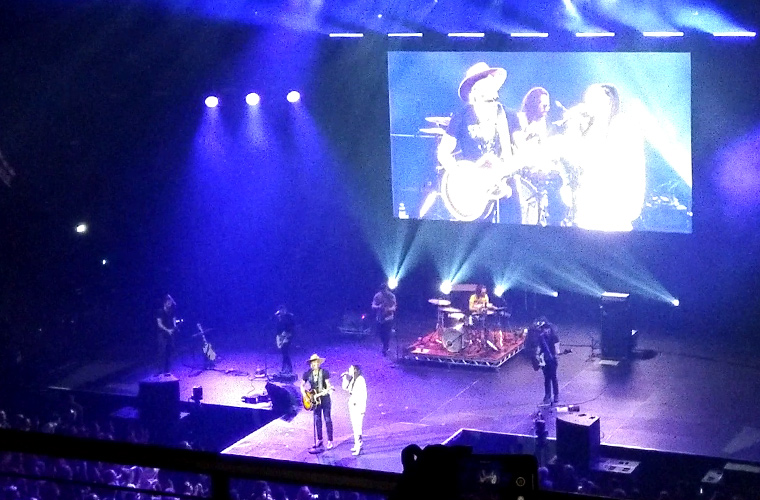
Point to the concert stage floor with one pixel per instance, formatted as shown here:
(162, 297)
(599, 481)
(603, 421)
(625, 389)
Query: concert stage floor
(693, 392)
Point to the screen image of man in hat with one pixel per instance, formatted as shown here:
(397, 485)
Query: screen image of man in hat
(319, 388)
(479, 135)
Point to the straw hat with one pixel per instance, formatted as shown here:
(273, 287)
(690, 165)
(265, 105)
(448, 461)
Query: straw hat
(315, 357)
(478, 72)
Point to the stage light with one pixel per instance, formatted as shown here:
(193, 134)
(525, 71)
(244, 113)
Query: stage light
(662, 34)
(293, 96)
(675, 302)
(499, 290)
(104, 261)
(252, 99)
(595, 34)
(529, 35)
(554, 294)
(346, 35)
(446, 287)
(392, 282)
(749, 34)
(466, 35)
(405, 35)
(81, 228)
(212, 101)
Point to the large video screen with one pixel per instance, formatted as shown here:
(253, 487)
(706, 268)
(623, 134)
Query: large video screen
(599, 141)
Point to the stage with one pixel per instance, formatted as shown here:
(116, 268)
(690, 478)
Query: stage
(691, 392)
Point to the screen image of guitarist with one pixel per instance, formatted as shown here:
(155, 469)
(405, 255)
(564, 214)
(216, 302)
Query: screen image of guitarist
(315, 390)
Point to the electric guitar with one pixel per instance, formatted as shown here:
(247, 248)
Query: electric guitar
(208, 351)
(313, 398)
(282, 338)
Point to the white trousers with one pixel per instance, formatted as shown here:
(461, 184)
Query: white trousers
(357, 420)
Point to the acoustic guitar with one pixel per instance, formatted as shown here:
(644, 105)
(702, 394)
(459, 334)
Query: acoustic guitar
(313, 398)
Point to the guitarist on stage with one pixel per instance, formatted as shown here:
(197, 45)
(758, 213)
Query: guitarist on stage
(317, 398)
(384, 306)
(166, 322)
(285, 327)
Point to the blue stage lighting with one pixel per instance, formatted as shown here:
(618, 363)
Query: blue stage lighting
(392, 282)
(294, 96)
(212, 101)
(252, 99)
(675, 302)
(446, 287)
(499, 290)
(81, 228)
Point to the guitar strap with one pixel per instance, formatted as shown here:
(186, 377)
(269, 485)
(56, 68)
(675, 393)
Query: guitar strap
(320, 380)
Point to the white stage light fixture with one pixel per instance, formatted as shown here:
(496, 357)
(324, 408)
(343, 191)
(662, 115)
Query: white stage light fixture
(392, 282)
(212, 101)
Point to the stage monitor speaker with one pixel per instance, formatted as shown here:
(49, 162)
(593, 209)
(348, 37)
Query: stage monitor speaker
(617, 337)
(578, 439)
(285, 398)
(158, 400)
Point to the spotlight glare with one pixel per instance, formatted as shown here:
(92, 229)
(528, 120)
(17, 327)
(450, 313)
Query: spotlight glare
(294, 96)
(252, 99)
(81, 228)
(675, 302)
(499, 290)
(104, 261)
(446, 287)
(212, 101)
(392, 282)
(555, 294)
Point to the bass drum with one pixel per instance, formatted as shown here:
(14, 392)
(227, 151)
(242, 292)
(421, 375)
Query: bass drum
(453, 339)
(464, 199)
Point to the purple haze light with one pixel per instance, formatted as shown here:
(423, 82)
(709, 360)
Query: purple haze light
(294, 96)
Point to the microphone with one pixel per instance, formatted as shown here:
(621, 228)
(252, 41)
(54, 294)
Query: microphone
(344, 374)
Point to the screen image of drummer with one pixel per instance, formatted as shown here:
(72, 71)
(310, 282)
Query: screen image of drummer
(543, 139)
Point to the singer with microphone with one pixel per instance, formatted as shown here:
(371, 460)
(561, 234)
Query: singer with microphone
(354, 383)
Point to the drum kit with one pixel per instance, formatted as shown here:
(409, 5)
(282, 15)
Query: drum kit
(457, 330)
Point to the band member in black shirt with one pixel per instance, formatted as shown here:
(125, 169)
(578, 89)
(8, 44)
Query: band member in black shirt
(384, 306)
(166, 322)
(547, 349)
(318, 380)
(285, 328)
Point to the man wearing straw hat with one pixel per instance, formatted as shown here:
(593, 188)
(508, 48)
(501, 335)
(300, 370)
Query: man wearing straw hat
(318, 380)
(481, 134)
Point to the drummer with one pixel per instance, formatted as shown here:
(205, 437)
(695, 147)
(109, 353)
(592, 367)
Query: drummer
(479, 301)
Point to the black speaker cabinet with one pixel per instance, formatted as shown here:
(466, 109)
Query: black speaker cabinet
(578, 439)
(286, 398)
(158, 400)
(617, 339)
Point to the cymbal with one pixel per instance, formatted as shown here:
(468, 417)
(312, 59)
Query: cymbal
(451, 310)
(439, 120)
(433, 131)
(440, 302)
